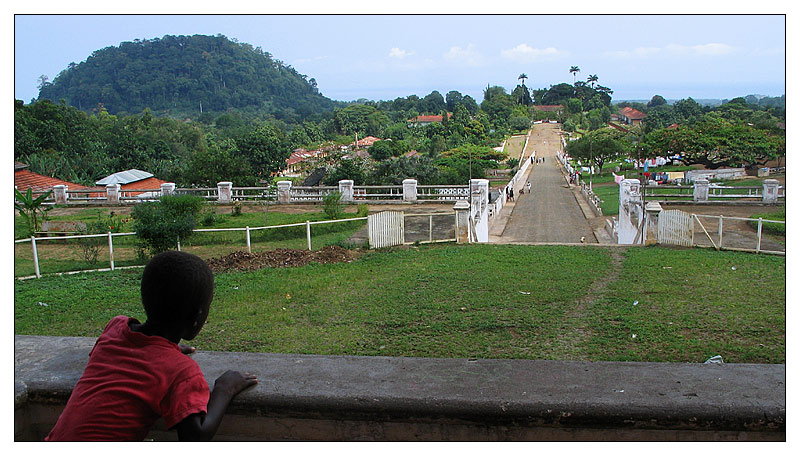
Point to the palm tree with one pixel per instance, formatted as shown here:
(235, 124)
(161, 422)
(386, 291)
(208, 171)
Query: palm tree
(523, 76)
(574, 70)
(592, 79)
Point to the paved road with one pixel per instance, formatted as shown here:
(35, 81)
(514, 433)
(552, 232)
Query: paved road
(550, 212)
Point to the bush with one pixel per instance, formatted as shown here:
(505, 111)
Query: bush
(333, 205)
(160, 225)
(105, 223)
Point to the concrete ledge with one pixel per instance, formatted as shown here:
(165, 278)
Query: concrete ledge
(310, 397)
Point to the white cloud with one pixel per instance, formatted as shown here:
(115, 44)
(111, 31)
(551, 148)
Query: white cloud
(522, 53)
(397, 53)
(469, 56)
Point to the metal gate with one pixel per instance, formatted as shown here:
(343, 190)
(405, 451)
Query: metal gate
(385, 229)
(675, 227)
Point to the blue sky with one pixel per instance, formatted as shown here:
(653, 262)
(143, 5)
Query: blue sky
(389, 56)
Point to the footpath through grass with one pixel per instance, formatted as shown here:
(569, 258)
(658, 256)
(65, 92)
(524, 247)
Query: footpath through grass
(476, 301)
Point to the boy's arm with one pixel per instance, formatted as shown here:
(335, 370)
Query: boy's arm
(203, 426)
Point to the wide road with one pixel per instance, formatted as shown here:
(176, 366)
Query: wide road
(550, 212)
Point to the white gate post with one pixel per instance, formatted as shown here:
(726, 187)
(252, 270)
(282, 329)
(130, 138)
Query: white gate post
(653, 210)
(112, 193)
(167, 188)
(284, 192)
(462, 221)
(630, 211)
(224, 192)
(700, 190)
(409, 189)
(770, 192)
(60, 194)
(346, 189)
(479, 189)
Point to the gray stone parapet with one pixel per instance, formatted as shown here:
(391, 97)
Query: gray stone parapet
(312, 397)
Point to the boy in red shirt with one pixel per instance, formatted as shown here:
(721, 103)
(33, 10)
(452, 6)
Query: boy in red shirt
(138, 372)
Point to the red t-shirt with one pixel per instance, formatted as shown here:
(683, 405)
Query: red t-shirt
(131, 380)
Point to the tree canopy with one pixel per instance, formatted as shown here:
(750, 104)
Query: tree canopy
(189, 75)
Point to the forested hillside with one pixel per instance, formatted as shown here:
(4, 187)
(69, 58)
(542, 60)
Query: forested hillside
(187, 76)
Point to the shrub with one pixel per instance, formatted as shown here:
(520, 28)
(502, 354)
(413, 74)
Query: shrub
(333, 205)
(31, 208)
(160, 225)
(90, 247)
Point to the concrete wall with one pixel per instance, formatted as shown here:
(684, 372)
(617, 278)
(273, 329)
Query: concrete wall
(309, 397)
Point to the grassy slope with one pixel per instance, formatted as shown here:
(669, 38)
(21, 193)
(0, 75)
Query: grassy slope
(486, 301)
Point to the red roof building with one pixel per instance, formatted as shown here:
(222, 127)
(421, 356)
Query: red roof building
(427, 120)
(25, 179)
(631, 116)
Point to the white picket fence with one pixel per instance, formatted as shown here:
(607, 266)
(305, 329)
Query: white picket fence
(385, 229)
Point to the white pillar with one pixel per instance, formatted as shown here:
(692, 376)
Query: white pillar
(167, 188)
(479, 191)
(346, 189)
(630, 212)
(224, 192)
(112, 193)
(652, 211)
(60, 194)
(285, 192)
(701, 190)
(461, 209)
(770, 192)
(409, 189)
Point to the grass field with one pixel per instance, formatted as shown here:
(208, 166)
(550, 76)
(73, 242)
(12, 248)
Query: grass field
(476, 301)
(67, 255)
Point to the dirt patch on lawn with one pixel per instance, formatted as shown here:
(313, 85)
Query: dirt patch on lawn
(281, 258)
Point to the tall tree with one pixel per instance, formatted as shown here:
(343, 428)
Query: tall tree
(522, 77)
(574, 70)
(592, 79)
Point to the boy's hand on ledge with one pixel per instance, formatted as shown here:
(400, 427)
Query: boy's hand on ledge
(233, 382)
(186, 349)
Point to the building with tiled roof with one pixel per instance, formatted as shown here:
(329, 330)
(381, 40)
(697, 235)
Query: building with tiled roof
(296, 161)
(131, 180)
(369, 140)
(25, 179)
(426, 120)
(631, 116)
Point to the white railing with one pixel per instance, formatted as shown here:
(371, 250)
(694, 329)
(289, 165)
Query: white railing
(719, 244)
(110, 236)
(442, 192)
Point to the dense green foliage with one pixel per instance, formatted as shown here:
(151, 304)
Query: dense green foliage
(143, 112)
(186, 76)
(161, 224)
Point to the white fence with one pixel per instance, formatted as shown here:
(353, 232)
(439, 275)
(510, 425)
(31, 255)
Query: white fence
(110, 236)
(391, 228)
(676, 227)
(284, 192)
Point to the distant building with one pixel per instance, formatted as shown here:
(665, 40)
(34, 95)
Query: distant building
(421, 121)
(631, 116)
(132, 180)
(25, 179)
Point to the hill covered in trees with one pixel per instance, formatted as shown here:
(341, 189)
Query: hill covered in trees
(187, 76)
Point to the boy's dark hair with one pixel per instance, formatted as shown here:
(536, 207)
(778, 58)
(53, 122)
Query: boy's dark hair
(175, 286)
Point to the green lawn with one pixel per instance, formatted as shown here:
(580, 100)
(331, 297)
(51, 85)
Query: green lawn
(481, 301)
(67, 255)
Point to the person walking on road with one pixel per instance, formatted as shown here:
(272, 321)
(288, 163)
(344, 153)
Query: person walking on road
(529, 186)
